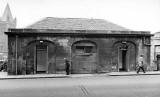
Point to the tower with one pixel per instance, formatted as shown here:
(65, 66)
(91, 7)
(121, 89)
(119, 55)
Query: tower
(6, 21)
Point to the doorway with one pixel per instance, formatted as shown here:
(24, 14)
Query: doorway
(41, 58)
(123, 65)
(158, 62)
(123, 57)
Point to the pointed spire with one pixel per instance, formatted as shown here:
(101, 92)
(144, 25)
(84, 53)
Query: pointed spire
(7, 15)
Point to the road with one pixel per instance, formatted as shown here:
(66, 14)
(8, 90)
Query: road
(100, 86)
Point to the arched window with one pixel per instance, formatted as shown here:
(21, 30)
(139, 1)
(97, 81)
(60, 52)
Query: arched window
(84, 47)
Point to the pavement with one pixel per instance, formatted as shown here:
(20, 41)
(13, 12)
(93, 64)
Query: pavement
(4, 75)
(133, 73)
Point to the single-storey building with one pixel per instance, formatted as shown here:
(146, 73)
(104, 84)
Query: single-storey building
(91, 46)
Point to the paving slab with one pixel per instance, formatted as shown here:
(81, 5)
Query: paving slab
(4, 75)
(133, 73)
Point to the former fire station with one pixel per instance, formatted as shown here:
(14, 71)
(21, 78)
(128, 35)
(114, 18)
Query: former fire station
(91, 46)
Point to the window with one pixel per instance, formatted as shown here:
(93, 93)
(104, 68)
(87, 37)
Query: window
(84, 49)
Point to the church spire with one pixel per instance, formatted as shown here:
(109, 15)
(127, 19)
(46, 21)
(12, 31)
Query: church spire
(7, 15)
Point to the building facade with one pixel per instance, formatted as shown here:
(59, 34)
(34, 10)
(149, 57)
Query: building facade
(91, 46)
(155, 51)
(6, 21)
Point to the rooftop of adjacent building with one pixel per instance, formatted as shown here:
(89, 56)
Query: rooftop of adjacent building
(7, 15)
(6, 21)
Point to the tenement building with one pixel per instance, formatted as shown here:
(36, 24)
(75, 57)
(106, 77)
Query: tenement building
(90, 45)
(6, 21)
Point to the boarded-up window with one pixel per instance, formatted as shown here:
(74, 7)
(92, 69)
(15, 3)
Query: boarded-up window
(84, 48)
(84, 57)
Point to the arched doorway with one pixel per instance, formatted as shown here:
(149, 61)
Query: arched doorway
(40, 57)
(84, 57)
(124, 56)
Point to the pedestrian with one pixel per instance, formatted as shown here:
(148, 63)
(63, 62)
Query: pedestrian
(140, 64)
(3, 66)
(67, 65)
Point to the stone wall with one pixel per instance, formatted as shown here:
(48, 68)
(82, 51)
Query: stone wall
(106, 58)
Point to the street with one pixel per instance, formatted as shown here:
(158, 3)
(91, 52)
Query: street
(99, 86)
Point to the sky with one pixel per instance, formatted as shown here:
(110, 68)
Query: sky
(137, 15)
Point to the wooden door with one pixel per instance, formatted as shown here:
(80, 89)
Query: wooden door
(41, 56)
(122, 60)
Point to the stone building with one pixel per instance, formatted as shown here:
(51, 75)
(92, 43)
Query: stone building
(155, 51)
(91, 45)
(6, 21)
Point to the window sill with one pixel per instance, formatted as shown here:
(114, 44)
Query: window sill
(85, 54)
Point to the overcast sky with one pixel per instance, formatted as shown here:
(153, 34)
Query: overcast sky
(138, 15)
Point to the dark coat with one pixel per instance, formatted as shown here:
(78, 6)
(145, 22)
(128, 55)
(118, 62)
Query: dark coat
(67, 67)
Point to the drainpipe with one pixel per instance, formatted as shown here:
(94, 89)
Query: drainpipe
(118, 61)
(70, 58)
(16, 54)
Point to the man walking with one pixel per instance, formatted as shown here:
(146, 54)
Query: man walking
(67, 64)
(140, 64)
